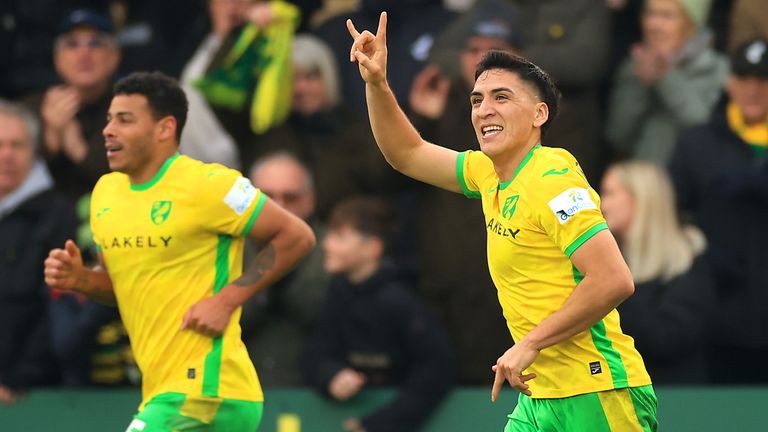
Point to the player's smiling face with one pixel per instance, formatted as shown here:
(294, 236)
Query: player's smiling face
(130, 133)
(505, 111)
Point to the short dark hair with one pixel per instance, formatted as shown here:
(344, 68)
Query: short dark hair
(528, 72)
(164, 95)
(368, 215)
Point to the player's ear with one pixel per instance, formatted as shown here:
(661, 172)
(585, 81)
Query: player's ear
(542, 114)
(167, 128)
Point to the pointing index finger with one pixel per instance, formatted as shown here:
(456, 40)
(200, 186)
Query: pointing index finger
(352, 30)
(497, 383)
(355, 35)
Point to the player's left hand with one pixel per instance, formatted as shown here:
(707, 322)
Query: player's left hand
(510, 367)
(208, 317)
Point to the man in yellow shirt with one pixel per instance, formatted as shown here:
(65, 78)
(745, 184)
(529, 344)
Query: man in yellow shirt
(557, 269)
(171, 232)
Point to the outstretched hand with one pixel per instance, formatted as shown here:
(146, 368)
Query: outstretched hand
(370, 51)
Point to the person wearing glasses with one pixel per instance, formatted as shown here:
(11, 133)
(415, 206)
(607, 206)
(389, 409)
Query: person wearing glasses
(86, 57)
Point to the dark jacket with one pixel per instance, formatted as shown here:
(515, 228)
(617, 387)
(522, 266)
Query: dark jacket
(27, 233)
(669, 322)
(723, 186)
(380, 329)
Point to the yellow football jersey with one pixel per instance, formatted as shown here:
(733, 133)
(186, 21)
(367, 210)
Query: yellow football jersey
(534, 223)
(168, 244)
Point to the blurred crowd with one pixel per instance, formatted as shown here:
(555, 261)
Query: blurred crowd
(664, 104)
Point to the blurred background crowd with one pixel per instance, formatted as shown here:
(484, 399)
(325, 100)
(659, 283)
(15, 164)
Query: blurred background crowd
(664, 104)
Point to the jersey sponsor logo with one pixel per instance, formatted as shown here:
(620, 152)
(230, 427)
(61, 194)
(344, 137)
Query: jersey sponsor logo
(570, 202)
(240, 196)
(136, 242)
(499, 229)
(510, 205)
(555, 172)
(160, 211)
(595, 368)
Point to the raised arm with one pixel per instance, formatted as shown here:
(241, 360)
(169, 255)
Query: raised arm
(286, 239)
(64, 269)
(398, 140)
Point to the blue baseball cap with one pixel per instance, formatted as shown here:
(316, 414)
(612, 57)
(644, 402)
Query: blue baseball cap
(86, 18)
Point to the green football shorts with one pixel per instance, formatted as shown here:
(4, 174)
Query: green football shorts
(171, 412)
(623, 410)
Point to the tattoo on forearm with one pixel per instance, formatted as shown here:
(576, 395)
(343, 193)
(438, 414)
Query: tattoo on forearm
(263, 262)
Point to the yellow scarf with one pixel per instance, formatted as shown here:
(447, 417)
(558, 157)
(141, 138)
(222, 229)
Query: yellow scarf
(756, 136)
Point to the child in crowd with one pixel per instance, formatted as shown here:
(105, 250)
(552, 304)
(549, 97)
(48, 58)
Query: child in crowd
(373, 330)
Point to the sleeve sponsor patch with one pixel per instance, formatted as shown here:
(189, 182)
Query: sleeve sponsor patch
(571, 202)
(240, 196)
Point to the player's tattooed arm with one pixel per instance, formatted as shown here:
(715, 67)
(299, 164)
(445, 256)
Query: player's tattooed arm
(263, 262)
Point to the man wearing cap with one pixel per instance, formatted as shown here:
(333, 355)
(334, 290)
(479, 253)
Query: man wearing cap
(458, 286)
(720, 170)
(86, 57)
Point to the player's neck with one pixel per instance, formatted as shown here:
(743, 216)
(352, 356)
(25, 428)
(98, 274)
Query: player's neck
(507, 164)
(149, 170)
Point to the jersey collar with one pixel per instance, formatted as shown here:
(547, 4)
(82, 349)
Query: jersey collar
(158, 176)
(503, 185)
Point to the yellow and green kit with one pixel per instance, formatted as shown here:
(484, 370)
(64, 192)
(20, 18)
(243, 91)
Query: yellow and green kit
(534, 223)
(166, 245)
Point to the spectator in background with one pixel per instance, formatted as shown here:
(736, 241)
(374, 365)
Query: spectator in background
(277, 320)
(33, 218)
(73, 113)
(670, 81)
(720, 171)
(334, 144)
(749, 21)
(570, 39)
(415, 26)
(674, 298)
(458, 286)
(27, 31)
(373, 331)
(205, 138)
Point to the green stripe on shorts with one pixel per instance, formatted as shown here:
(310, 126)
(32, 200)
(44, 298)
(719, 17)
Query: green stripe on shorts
(178, 412)
(645, 403)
